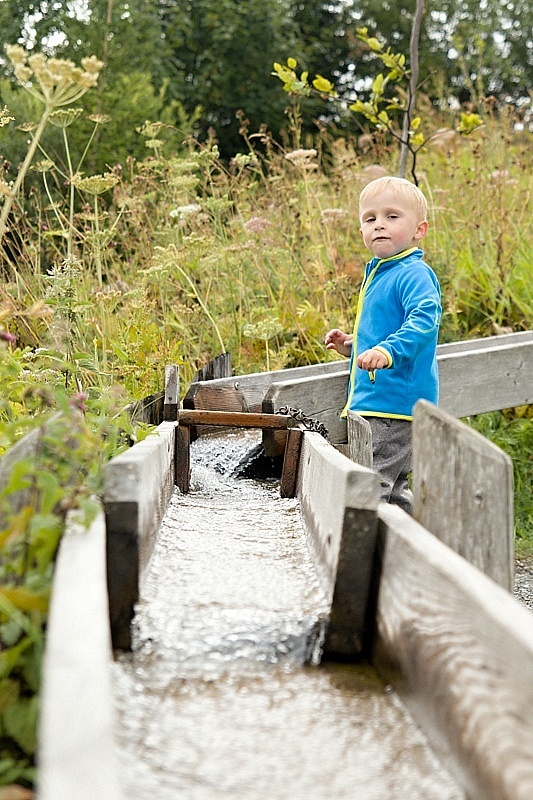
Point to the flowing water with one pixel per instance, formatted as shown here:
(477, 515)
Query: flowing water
(223, 696)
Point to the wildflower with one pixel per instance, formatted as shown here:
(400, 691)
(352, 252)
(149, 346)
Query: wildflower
(302, 158)
(332, 215)
(257, 225)
(64, 117)
(182, 212)
(242, 160)
(5, 119)
(78, 400)
(5, 336)
(100, 119)
(95, 184)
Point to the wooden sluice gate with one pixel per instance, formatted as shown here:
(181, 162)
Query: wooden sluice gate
(425, 600)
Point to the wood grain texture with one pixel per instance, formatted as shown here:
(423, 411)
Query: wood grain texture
(235, 419)
(359, 440)
(463, 491)
(138, 485)
(172, 394)
(321, 397)
(77, 747)
(475, 376)
(459, 650)
(338, 501)
(487, 378)
(253, 386)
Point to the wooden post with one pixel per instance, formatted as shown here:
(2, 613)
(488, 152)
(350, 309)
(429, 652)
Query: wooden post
(183, 458)
(291, 459)
(359, 440)
(463, 491)
(172, 394)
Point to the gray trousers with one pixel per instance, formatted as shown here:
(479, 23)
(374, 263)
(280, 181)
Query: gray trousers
(391, 447)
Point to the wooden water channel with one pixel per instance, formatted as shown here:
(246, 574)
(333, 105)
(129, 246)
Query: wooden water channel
(426, 599)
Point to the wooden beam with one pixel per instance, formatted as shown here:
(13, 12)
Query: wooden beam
(234, 419)
(458, 648)
(463, 491)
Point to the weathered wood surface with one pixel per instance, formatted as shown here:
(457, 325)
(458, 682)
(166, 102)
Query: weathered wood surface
(359, 440)
(495, 376)
(338, 502)
(463, 491)
(459, 650)
(218, 367)
(172, 394)
(77, 747)
(313, 395)
(138, 485)
(291, 463)
(250, 389)
(475, 376)
(235, 419)
(183, 458)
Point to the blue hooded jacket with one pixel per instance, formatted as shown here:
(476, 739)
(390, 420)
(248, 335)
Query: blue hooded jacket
(398, 312)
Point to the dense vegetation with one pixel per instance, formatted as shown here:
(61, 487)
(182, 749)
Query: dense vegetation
(112, 269)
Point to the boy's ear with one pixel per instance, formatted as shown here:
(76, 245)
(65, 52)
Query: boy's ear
(421, 230)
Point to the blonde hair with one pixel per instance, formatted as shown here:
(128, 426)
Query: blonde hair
(402, 188)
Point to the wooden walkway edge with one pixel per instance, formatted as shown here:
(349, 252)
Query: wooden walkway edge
(459, 650)
(78, 755)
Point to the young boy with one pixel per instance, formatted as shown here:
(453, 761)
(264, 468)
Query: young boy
(394, 342)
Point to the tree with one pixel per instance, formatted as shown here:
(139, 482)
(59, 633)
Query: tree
(469, 48)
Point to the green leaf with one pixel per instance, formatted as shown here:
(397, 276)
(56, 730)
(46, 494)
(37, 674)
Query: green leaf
(20, 722)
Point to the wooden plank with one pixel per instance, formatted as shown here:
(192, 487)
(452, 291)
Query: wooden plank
(463, 491)
(183, 458)
(77, 747)
(484, 342)
(338, 502)
(138, 486)
(218, 367)
(359, 440)
(458, 648)
(221, 398)
(488, 379)
(234, 419)
(172, 394)
(291, 460)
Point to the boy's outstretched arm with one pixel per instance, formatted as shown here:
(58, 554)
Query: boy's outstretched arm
(339, 341)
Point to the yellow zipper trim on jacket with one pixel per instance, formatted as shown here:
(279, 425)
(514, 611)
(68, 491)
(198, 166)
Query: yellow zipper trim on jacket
(360, 301)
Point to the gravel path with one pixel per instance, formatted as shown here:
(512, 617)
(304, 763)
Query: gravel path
(523, 584)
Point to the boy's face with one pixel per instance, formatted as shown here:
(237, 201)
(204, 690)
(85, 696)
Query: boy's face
(389, 224)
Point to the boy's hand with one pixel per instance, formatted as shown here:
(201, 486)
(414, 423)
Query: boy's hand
(372, 359)
(339, 341)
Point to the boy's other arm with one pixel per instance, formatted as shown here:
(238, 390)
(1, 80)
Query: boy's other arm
(339, 341)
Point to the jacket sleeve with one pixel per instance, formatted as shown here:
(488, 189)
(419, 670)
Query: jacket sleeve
(418, 294)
